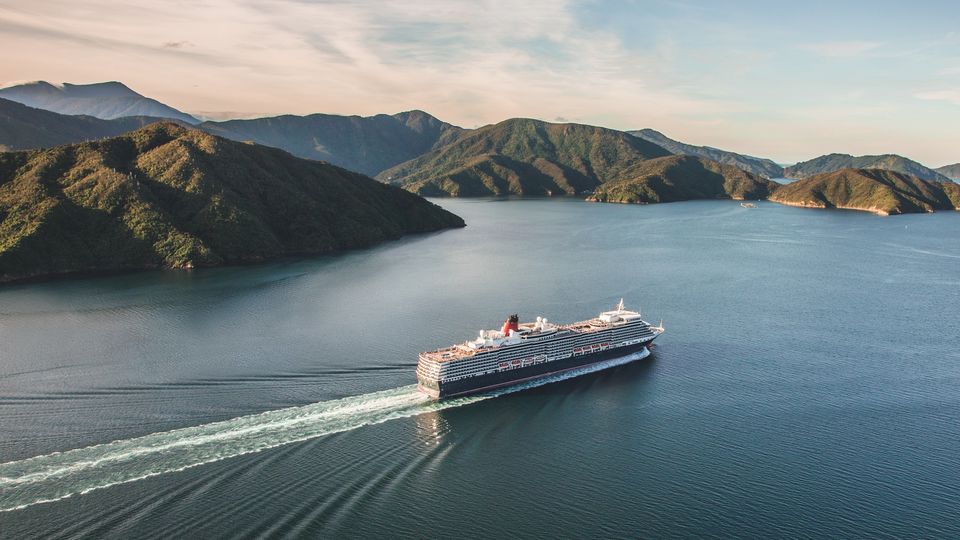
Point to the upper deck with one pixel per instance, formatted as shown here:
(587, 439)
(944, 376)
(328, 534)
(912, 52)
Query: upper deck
(492, 340)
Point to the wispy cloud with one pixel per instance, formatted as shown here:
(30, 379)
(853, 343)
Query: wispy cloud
(177, 44)
(686, 68)
(470, 61)
(950, 96)
(842, 49)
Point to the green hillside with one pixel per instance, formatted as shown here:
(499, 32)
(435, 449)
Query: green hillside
(874, 190)
(681, 178)
(524, 157)
(166, 196)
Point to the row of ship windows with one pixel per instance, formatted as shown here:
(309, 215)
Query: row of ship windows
(490, 368)
(526, 352)
(552, 347)
(492, 363)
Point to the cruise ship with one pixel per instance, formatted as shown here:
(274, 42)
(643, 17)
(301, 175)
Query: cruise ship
(521, 352)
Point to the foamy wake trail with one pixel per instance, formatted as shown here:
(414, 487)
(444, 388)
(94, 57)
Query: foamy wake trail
(55, 476)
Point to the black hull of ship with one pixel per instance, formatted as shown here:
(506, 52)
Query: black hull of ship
(482, 383)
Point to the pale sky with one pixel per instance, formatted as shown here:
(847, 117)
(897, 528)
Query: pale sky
(784, 80)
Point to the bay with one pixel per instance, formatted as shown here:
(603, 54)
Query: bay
(806, 384)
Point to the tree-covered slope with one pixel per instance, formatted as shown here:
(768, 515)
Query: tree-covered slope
(23, 128)
(836, 162)
(759, 166)
(681, 178)
(167, 196)
(524, 157)
(364, 144)
(873, 190)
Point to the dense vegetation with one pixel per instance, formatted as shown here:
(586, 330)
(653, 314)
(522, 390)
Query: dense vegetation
(758, 166)
(950, 171)
(366, 145)
(167, 196)
(23, 127)
(681, 178)
(524, 157)
(836, 162)
(106, 100)
(874, 190)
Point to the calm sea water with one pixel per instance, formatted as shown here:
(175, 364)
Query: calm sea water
(808, 385)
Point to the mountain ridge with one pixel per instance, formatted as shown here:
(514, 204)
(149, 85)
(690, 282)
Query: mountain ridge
(367, 145)
(835, 162)
(759, 166)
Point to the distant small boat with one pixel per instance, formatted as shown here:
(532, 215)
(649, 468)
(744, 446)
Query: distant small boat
(748, 205)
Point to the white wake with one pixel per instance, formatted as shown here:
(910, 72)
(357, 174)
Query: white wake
(59, 475)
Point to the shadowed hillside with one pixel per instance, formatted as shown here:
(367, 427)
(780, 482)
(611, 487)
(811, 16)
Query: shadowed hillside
(364, 144)
(23, 128)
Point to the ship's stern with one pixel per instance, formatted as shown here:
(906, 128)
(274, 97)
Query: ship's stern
(428, 374)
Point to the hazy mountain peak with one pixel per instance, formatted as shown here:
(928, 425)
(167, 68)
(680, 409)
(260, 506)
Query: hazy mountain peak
(95, 90)
(106, 100)
(835, 162)
(760, 166)
(950, 171)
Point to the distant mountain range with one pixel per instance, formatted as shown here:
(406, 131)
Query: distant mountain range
(759, 166)
(168, 196)
(836, 162)
(23, 128)
(430, 157)
(521, 156)
(874, 190)
(107, 100)
(682, 178)
(950, 171)
(367, 145)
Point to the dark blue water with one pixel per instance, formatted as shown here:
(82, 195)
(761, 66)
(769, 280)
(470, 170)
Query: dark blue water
(808, 385)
